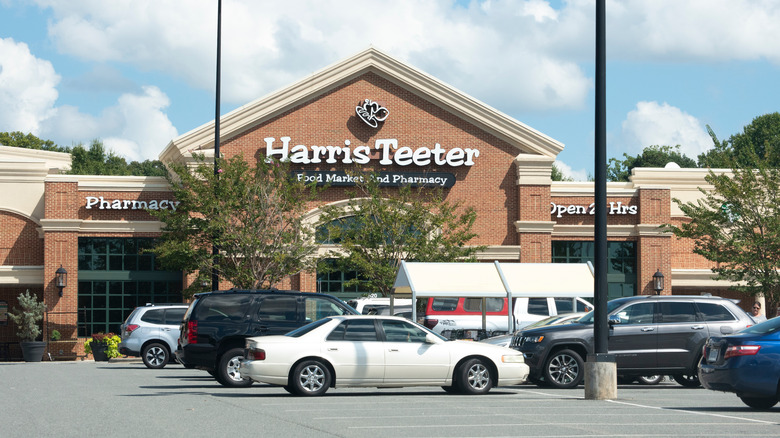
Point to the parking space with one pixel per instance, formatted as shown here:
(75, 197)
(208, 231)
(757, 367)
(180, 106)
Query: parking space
(88, 398)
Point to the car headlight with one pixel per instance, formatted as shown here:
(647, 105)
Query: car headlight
(531, 339)
(512, 358)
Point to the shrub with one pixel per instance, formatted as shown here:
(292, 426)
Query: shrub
(28, 316)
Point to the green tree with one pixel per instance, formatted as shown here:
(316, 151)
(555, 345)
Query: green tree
(378, 227)
(28, 141)
(737, 226)
(758, 141)
(253, 214)
(97, 161)
(651, 156)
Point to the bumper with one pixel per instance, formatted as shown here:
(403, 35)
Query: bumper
(263, 372)
(745, 381)
(533, 356)
(515, 374)
(197, 356)
(129, 348)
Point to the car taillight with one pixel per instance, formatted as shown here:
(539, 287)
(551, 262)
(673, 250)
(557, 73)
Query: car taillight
(130, 328)
(741, 350)
(255, 354)
(431, 323)
(192, 332)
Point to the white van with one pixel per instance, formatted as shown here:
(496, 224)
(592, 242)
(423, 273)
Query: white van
(373, 305)
(461, 318)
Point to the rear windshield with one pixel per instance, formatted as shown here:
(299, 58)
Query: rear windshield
(768, 326)
(300, 331)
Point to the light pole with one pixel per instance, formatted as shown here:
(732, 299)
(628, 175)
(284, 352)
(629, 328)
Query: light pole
(215, 248)
(658, 281)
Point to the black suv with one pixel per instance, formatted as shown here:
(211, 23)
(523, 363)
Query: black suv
(649, 335)
(217, 323)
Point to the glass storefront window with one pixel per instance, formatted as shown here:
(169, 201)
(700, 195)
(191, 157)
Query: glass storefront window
(621, 258)
(115, 276)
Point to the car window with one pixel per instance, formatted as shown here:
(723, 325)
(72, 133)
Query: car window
(154, 316)
(278, 308)
(677, 311)
(491, 304)
(354, 330)
(400, 331)
(174, 316)
(223, 307)
(538, 306)
(583, 307)
(641, 313)
(318, 307)
(445, 304)
(714, 312)
(563, 305)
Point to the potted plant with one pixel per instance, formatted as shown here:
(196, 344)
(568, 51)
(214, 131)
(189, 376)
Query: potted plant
(103, 346)
(27, 317)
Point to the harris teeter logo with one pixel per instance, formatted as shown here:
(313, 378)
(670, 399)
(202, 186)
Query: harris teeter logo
(371, 113)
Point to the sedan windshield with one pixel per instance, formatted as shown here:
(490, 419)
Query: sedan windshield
(300, 331)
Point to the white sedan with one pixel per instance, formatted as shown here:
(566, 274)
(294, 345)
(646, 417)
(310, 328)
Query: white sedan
(377, 351)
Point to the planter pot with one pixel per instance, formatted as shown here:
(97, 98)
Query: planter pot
(99, 352)
(33, 351)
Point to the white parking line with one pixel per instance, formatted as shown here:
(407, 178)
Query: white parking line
(733, 417)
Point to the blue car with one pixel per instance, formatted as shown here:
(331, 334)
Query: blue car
(746, 363)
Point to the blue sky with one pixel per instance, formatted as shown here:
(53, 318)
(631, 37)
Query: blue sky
(138, 73)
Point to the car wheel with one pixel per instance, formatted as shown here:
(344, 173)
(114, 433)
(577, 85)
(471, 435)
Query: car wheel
(310, 377)
(288, 389)
(650, 380)
(564, 369)
(451, 389)
(762, 403)
(687, 380)
(155, 355)
(474, 377)
(227, 370)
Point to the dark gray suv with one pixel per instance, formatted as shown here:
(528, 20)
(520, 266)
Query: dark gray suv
(648, 334)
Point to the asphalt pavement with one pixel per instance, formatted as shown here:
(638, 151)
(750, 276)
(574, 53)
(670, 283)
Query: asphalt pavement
(121, 398)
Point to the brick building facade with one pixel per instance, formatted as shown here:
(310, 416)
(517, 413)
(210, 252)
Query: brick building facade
(410, 125)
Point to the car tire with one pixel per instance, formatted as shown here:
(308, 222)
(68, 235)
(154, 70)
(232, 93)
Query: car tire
(451, 389)
(687, 380)
(473, 377)
(762, 403)
(310, 378)
(564, 369)
(650, 380)
(227, 369)
(155, 355)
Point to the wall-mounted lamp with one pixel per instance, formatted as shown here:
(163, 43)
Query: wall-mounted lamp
(62, 278)
(658, 282)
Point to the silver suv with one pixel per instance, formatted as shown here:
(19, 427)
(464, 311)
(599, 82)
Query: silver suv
(152, 332)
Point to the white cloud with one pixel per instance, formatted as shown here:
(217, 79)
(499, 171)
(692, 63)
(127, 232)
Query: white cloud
(652, 123)
(136, 127)
(567, 171)
(27, 87)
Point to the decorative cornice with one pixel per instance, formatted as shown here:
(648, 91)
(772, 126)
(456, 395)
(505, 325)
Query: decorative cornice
(370, 60)
(587, 231)
(534, 169)
(21, 275)
(534, 226)
(586, 189)
(89, 226)
(698, 278)
(500, 252)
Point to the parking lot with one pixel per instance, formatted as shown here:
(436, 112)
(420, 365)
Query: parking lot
(120, 398)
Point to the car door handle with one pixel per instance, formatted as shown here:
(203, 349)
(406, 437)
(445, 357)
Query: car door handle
(392, 349)
(333, 349)
(697, 327)
(648, 329)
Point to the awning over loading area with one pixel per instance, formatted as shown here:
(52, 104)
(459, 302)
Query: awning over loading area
(510, 280)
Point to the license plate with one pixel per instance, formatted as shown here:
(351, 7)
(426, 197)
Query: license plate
(712, 356)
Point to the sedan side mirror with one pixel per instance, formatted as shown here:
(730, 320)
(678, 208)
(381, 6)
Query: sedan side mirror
(613, 320)
(431, 339)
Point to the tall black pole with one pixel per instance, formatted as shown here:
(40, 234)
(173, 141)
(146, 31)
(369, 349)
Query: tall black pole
(601, 329)
(215, 248)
